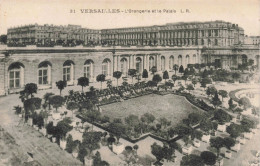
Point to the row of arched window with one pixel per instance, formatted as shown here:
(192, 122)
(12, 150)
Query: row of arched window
(16, 70)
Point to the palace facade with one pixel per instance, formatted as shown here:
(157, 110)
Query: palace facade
(108, 50)
(211, 34)
(45, 66)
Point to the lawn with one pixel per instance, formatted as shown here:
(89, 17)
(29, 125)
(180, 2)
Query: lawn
(173, 107)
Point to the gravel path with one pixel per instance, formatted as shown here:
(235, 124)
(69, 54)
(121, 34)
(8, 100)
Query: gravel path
(30, 140)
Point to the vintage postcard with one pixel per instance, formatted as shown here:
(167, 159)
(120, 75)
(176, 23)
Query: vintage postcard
(129, 83)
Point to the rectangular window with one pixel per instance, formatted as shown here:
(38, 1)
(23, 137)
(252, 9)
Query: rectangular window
(14, 79)
(104, 69)
(43, 76)
(66, 73)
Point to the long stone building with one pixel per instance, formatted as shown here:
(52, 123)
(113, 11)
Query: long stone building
(118, 50)
(212, 34)
(45, 66)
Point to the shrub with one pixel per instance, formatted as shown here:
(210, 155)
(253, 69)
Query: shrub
(208, 157)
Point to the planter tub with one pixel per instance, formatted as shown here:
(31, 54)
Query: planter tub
(205, 138)
(254, 131)
(242, 141)
(118, 148)
(227, 124)
(75, 154)
(20, 115)
(63, 144)
(187, 149)
(88, 161)
(219, 161)
(236, 147)
(228, 154)
(248, 135)
(30, 122)
(43, 131)
(53, 139)
(196, 143)
(221, 128)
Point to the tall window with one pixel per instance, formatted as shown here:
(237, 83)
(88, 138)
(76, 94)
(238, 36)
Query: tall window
(151, 62)
(89, 69)
(16, 75)
(162, 63)
(194, 58)
(123, 65)
(138, 65)
(106, 67)
(68, 70)
(44, 73)
(179, 60)
(171, 62)
(187, 59)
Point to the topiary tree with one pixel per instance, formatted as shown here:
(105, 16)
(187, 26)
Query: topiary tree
(154, 70)
(223, 94)
(236, 76)
(72, 106)
(234, 130)
(145, 74)
(222, 116)
(101, 78)
(217, 143)
(181, 69)
(165, 75)
(56, 101)
(191, 160)
(190, 87)
(83, 82)
(174, 78)
(117, 75)
(229, 142)
(61, 85)
(132, 73)
(215, 100)
(245, 102)
(194, 81)
(157, 78)
(208, 157)
(230, 104)
(30, 89)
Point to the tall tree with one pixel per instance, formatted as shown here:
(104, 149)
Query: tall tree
(61, 85)
(145, 74)
(30, 88)
(101, 78)
(132, 73)
(117, 75)
(83, 82)
(165, 75)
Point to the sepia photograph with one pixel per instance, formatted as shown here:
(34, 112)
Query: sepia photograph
(129, 82)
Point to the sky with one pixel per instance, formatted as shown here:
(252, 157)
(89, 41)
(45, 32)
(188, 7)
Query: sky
(245, 13)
